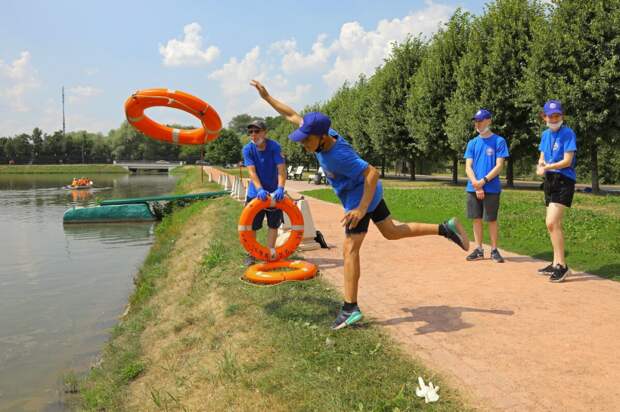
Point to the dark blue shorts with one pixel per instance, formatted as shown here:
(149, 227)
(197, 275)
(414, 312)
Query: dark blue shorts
(274, 217)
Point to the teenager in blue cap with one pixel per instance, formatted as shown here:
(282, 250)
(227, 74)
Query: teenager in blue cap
(484, 160)
(556, 163)
(263, 158)
(359, 189)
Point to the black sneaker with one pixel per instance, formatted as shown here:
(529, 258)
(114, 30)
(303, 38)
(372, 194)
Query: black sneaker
(477, 254)
(496, 257)
(249, 260)
(559, 273)
(547, 270)
(455, 232)
(347, 318)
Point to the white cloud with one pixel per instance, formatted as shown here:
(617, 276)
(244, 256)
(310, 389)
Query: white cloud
(357, 50)
(235, 75)
(188, 51)
(294, 61)
(16, 79)
(234, 78)
(79, 93)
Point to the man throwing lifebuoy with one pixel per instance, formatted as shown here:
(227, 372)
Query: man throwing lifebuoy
(360, 191)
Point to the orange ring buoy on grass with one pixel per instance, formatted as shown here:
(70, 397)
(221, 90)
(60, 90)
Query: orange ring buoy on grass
(143, 99)
(265, 273)
(246, 234)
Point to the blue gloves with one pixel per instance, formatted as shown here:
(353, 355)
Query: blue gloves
(262, 194)
(279, 194)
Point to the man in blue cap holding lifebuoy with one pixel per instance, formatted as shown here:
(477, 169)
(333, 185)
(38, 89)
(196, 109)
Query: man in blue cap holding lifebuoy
(263, 158)
(360, 191)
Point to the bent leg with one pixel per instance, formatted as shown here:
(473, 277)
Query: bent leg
(392, 231)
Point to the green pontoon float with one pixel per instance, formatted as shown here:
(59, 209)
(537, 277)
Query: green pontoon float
(137, 209)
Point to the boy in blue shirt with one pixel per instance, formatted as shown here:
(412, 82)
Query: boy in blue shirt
(556, 163)
(484, 159)
(263, 158)
(360, 191)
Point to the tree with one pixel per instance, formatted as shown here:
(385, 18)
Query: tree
(225, 149)
(489, 73)
(433, 85)
(389, 92)
(576, 58)
(239, 123)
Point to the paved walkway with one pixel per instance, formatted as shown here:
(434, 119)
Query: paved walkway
(504, 336)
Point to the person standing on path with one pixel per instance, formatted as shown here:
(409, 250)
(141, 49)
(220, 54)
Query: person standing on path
(263, 158)
(360, 191)
(556, 163)
(484, 160)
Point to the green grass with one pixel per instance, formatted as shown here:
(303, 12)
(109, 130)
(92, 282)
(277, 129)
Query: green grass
(315, 369)
(79, 169)
(294, 360)
(591, 226)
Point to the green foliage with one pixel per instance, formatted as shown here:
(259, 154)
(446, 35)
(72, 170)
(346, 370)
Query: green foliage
(576, 58)
(225, 149)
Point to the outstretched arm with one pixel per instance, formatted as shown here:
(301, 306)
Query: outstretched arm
(285, 110)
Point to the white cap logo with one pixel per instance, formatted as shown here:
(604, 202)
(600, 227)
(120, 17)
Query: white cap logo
(479, 113)
(553, 105)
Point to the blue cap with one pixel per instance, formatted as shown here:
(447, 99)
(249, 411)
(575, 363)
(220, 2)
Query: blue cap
(481, 115)
(313, 123)
(552, 107)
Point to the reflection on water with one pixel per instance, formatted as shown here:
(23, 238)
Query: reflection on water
(61, 288)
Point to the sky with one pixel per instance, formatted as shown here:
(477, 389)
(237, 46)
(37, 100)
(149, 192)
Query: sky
(102, 52)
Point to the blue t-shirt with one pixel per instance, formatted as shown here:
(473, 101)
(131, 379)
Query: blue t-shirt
(484, 153)
(266, 163)
(344, 170)
(555, 144)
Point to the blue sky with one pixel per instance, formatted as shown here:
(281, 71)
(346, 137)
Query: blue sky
(103, 51)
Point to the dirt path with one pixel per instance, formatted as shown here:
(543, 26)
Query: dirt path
(505, 336)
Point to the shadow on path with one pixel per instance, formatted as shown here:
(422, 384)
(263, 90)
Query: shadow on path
(440, 318)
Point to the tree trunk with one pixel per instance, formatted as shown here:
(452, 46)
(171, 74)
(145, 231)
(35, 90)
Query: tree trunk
(455, 169)
(594, 165)
(383, 168)
(412, 169)
(510, 172)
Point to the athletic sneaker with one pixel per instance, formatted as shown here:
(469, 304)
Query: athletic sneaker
(559, 273)
(455, 232)
(547, 270)
(477, 254)
(497, 258)
(249, 260)
(347, 318)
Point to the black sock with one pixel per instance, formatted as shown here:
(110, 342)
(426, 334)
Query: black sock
(442, 230)
(349, 306)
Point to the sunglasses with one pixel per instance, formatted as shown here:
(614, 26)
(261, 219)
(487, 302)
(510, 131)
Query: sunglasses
(254, 131)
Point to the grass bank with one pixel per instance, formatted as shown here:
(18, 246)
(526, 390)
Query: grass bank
(591, 226)
(78, 170)
(197, 338)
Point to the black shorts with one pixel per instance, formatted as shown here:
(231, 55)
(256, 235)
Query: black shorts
(274, 217)
(558, 189)
(487, 207)
(380, 213)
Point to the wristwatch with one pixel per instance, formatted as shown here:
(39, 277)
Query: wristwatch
(485, 179)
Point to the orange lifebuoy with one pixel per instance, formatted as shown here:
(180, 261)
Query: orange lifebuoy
(143, 99)
(246, 235)
(265, 273)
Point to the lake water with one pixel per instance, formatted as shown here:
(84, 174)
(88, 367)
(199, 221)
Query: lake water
(62, 287)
